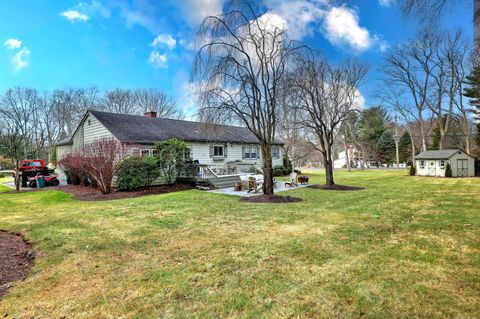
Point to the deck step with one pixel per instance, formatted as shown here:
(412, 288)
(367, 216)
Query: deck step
(224, 181)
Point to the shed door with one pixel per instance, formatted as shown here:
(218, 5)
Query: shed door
(432, 168)
(462, 167)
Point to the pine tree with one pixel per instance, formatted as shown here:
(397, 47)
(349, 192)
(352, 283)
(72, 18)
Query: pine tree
(386, 148)
(473, 92)
(405, 147)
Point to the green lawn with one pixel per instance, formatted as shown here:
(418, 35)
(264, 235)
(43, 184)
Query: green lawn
(404, 247)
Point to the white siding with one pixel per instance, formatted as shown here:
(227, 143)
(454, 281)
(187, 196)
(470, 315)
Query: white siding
(63, 150)
(94, 130)
(201, 152)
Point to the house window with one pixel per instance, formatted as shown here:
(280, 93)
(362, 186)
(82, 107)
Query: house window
(218, 151)
(442, 164)
(422, 164)
(144, 152)
(275, 152)
(250, 151)
(154, 152)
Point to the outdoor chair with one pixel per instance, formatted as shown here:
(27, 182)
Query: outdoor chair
(293, 181)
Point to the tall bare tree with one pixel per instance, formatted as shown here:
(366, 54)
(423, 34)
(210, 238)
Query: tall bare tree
(328, 95)
(120, 101)
(148, 100)
(238, 69)
(404, 70)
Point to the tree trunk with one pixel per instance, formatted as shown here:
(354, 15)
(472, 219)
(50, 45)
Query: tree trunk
(328, 171)
(267, 169)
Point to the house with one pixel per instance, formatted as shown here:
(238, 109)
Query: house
(353, 157)
(433, 163)
(222, 152)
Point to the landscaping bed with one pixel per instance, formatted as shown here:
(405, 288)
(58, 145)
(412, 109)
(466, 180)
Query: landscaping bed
(16, 258)
(271, 199)
(83, 193)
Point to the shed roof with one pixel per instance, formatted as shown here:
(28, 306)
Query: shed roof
(442, 154)
(146, 130)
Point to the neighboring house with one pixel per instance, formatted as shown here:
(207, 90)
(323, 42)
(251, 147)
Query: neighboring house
(218, 149)
(353, 157)
(433, 163)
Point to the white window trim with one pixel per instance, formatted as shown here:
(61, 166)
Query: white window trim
(223, 151)
(250, 149)
(422, 163)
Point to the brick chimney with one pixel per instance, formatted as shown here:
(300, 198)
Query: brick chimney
(150, 114)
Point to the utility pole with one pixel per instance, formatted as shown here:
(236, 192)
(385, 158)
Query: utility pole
(397, 139)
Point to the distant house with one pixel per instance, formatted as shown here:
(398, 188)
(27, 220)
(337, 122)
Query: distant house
(220, 150)
(433, 163)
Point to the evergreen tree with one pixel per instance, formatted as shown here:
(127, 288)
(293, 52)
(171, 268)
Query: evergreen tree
(405, 147)
(386, 148)
(372, 126)
(473, 92)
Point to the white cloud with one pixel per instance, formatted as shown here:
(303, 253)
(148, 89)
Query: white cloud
(196, 10)
(386, 3)
(342, 29)
(301, 16)
(164, 40)
(20, 59)
(74, 15)
(12, 44)
(158, 60)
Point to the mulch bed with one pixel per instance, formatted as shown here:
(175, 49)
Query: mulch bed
(270, 199)
(337, 188)
(83, 193)
(16, 258)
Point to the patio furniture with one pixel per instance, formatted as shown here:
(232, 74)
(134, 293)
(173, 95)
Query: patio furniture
(293, 181)
(255, 183)
(302, 179)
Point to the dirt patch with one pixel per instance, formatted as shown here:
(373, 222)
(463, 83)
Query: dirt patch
(337, 187)
(16, 258)
(271, 199)
(83, 193)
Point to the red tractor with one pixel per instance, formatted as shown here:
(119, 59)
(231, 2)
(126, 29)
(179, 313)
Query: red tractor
(31, 171)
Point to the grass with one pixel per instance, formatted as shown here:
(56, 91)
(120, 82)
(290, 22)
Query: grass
(404, 247)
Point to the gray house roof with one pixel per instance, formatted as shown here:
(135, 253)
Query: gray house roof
(443, 154)
(146, 130)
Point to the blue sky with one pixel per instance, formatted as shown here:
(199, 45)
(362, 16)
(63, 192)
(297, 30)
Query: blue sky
(48, 44)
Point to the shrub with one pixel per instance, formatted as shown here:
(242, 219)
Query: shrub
(95, 164)
(136, 172)
(287, 164)
(2, 175)
(171, 158)
(413, 170)
(448, 170)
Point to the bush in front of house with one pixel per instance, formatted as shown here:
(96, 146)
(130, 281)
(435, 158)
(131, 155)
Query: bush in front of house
(172, 159)
(413, 170)
(287, 164)
(448, 170)
(281, 170)
(137, 172)
(95, 164)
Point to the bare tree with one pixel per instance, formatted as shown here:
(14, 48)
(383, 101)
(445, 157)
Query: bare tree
(20, 110)
(120, 101)
(148, 100)
(238, 70)
(328, 94)
(404, 70)
(70, 105)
